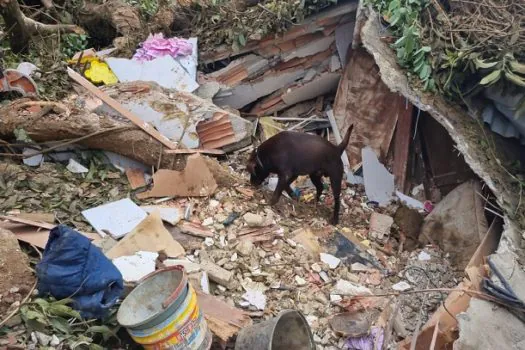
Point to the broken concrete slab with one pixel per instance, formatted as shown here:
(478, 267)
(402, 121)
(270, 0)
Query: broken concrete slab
(504, 330)
(177, 114)
(115, 218)
(196, 180)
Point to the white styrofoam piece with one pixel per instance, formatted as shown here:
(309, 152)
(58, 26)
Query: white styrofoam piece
(75, 167)
(118, 218)
(135, 267)
(165, 71)
(379, 183)
(167, 214)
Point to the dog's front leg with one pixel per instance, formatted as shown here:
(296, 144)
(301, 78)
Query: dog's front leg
(282, 183)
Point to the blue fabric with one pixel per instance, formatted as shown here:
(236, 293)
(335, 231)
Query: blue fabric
(72, 267)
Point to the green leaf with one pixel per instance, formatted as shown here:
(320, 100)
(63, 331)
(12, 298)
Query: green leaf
(60, 324)
(491, 78)
(30, 314)
(425, 72)
(409, 46)
(64, 311)
(242, 40)
(516, 79)
(103, 330)
(480, 64)
(517, 67)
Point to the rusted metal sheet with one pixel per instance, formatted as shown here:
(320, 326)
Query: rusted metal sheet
(364, 100)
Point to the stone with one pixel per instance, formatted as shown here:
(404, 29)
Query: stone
(401, 286)
(253, 220)
(330, 260)
(207, 222)
(348, 288)
(245, 247)
(43, 339)
(300, 281)
(316, 268)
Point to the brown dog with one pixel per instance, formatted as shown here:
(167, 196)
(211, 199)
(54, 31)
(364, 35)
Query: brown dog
(291, 154)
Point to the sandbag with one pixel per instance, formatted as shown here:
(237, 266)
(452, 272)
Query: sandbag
(72, 267)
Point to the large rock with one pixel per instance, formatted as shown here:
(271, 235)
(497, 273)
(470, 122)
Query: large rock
(457, 223)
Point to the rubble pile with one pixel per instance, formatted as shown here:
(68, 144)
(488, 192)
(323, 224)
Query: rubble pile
(135, 199)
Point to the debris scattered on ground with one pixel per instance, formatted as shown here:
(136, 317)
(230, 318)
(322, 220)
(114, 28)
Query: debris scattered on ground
(142, 167)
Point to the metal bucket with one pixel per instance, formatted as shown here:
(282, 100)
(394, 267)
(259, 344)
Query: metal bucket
(162, 312)
(287, 331)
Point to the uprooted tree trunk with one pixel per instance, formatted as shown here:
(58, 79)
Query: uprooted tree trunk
(114, 21)
(64, 123)
(21, 28)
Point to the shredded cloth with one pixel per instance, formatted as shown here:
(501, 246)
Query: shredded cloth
(157, 46)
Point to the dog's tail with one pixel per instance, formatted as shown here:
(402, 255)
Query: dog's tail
(342, 146)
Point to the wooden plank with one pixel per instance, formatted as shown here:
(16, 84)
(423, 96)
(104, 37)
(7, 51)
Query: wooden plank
(217, 152)
(120, 109)
(402, 146)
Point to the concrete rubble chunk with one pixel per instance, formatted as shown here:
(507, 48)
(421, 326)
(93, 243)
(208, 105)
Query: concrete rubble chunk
(330, 260)
(253, 220)
(347, 288)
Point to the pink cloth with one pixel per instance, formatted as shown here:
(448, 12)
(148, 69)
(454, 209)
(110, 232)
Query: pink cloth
(157, 46)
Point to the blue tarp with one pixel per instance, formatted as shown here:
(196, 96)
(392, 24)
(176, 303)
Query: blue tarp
(72, 267)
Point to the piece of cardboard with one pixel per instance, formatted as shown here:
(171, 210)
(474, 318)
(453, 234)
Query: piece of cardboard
(196, 180)
(136, 178)
(150, 236)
